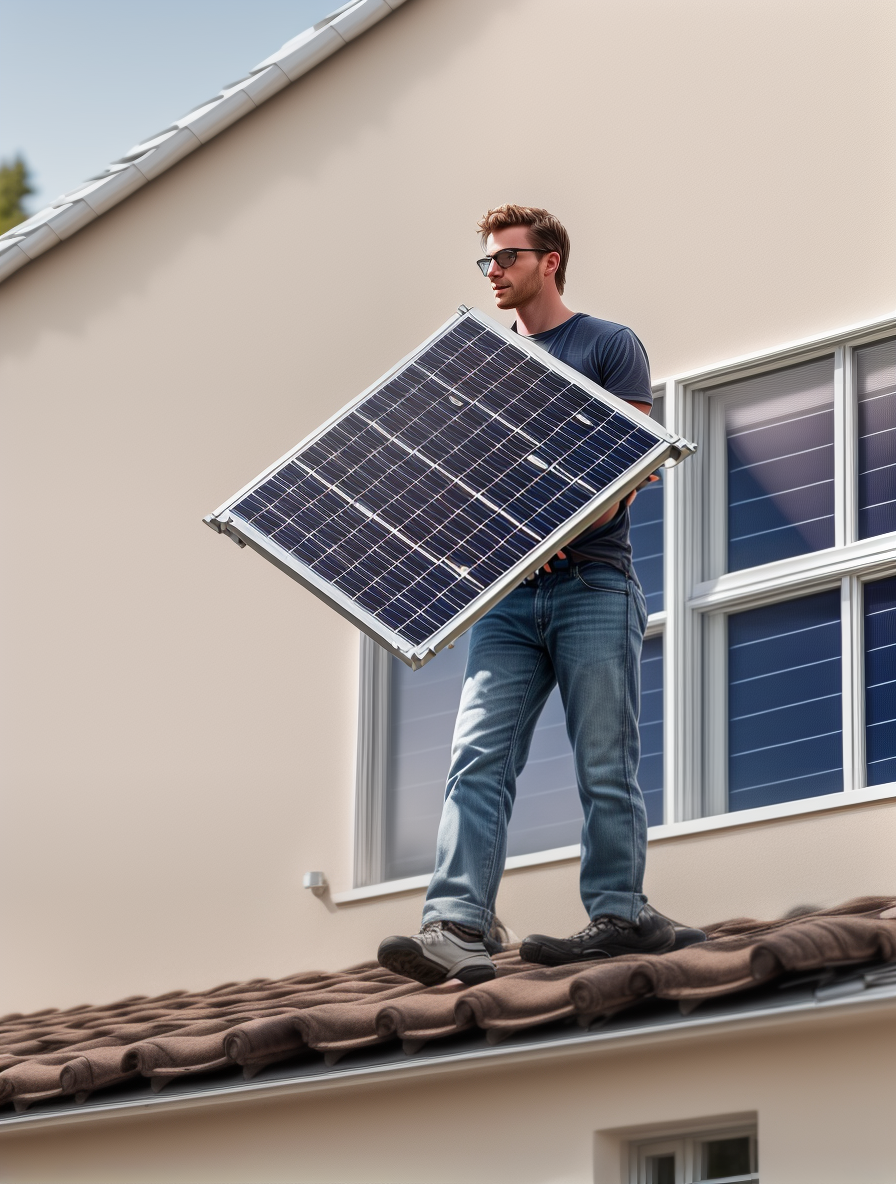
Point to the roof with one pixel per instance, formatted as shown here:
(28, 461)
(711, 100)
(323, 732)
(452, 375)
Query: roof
(155, 155)
(366, 1019)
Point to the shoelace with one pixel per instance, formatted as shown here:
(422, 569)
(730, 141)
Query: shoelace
(599, 925)
(431, 931)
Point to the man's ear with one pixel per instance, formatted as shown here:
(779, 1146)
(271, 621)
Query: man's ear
(552, 262)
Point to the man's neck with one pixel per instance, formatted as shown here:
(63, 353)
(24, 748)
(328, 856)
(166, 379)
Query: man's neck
(545, 312)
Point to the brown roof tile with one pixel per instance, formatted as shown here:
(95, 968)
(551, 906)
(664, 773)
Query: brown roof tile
(259, 1023)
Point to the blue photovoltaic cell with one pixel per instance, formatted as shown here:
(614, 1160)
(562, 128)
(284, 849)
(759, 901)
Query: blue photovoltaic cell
(443, 479)
(876, 381)
(880, 681)
(784, 702)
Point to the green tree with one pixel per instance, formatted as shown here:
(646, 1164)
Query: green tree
(15, 184)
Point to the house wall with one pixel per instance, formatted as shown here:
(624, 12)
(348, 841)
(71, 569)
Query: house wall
(180, 718)
(565, 1122)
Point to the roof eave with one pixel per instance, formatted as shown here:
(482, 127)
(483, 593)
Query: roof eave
(864, 1004)
(148, 159)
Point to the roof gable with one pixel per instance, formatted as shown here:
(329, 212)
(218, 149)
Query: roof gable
(147, 159)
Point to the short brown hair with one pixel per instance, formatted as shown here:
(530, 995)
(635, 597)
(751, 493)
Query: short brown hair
(544, 229)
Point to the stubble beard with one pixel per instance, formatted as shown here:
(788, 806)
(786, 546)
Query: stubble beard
(521, 294)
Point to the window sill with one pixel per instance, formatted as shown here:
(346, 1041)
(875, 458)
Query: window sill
(656, 834)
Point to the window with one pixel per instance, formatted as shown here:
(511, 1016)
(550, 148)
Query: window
(715, 1157)
(768, 562)
(784, 620)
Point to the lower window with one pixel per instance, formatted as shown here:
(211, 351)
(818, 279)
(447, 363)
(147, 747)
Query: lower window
(719, 1157)
(547, 812)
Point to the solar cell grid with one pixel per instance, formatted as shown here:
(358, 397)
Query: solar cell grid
(445, 477)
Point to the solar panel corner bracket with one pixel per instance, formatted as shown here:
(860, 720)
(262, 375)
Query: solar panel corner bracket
(222, 523)
(681, 449)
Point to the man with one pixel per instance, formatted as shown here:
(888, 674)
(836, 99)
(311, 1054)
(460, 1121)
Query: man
(579, 622)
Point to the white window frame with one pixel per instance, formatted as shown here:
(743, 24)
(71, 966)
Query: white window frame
(693, 623)
(697, 607)
(686, 1149)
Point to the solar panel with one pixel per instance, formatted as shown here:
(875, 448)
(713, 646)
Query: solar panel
(433, 493)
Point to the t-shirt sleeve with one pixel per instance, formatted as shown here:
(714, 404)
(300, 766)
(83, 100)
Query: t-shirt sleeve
(623, 368)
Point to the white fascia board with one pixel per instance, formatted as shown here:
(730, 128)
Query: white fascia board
(304, 53)
(285, 50)
(144, 146)
(71, 219)
(39, 240)
(12, 257)
(359, 18)
(208, 121)
(37, 220)
(160, 152)
(172, 149)
(108, 191)
(262, 86)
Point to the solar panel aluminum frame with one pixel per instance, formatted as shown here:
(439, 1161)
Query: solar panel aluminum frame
(670, 449)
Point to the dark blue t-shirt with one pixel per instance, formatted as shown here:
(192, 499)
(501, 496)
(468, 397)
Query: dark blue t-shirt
(613, 357)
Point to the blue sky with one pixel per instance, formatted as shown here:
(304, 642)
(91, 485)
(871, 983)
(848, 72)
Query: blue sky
(83, 80)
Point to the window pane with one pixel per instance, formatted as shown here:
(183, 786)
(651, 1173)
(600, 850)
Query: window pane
(725, 1157)
(650, 771)
(784, 702)
(660, 1169)
(876, 375)
(547, 812)
(647, 532)
(647, 542)
(880, 681)
(780, 442)
(422, 711)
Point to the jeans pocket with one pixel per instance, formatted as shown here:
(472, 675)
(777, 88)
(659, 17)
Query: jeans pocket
(600, 577)
(641, 602)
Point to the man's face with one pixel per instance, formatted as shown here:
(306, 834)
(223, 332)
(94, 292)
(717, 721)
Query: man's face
(524, 279)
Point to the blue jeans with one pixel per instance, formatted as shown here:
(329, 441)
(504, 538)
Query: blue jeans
(581, 628)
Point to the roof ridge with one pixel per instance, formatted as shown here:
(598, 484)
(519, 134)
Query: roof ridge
(156, 154)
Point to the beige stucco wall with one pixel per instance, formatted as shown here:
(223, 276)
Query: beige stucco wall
(179, 717)
(817, 1092)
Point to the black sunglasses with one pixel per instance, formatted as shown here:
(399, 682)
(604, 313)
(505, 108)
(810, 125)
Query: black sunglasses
(506, 257)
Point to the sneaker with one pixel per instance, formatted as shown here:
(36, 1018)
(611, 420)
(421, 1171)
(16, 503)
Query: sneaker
(604, 937)
(441, 950)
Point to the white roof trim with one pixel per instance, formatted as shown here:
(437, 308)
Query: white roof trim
(63, 217)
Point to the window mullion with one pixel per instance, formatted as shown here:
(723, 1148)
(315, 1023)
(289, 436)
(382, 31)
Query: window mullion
(845, 451)
(682, 650)
(372, 763)
(715, 781)
(853, 681)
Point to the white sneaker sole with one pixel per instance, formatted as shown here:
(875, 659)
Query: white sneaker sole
(403, 955)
